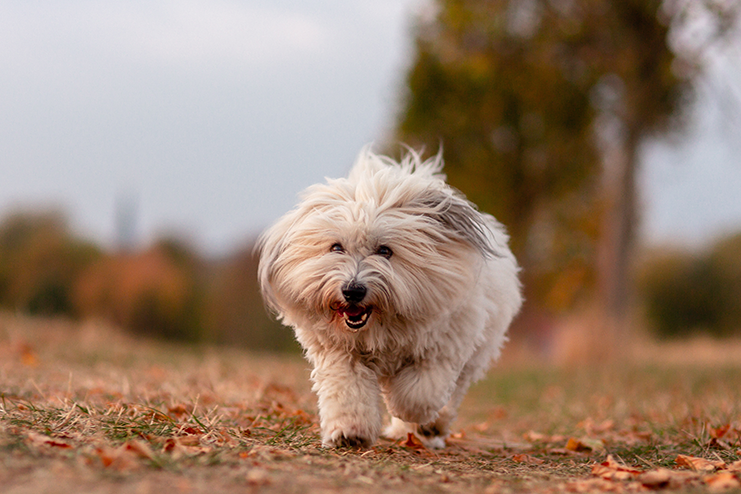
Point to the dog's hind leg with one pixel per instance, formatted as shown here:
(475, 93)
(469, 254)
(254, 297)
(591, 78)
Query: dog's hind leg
(434, 433)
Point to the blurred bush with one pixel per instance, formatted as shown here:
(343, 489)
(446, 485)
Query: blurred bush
(234, 310)
(165, 291)
(40, 261)
(154, 292)
(684, 293)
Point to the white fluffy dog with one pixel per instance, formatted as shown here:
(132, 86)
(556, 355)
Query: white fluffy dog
(398, 290)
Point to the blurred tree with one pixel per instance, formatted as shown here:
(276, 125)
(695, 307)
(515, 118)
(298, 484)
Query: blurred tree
(40, 261)
(541, 106)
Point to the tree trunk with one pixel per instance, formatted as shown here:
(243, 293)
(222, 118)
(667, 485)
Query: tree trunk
(618, 241)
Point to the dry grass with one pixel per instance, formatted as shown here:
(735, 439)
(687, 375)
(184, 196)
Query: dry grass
(89, 409)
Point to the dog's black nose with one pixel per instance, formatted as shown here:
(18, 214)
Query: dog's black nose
(354, 293)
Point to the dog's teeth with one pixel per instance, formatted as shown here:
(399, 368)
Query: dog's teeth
(356, 322)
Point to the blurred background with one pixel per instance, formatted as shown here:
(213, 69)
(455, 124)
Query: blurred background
(144, 146)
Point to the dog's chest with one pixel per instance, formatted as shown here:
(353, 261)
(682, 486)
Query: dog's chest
(385, 363)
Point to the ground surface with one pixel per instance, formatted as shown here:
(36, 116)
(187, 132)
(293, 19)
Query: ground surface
(84, 408)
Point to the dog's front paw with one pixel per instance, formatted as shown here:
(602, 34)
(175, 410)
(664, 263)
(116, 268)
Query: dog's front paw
(336, 437)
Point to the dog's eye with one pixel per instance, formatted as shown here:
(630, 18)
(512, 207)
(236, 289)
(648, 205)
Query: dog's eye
(336, 248)
(384, 251)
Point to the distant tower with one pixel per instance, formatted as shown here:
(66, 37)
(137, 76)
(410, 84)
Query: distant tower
(126, 211)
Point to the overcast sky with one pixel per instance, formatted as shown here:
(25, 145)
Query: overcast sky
(211, 116)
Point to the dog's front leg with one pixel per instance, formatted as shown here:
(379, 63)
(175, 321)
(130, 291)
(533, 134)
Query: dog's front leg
(419, 391)
(349, 401)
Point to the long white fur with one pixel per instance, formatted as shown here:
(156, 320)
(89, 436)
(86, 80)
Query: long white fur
(442, 302)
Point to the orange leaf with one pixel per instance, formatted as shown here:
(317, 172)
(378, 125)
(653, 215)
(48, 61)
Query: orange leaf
(412, 442)
(41, 439)
(584, 444)
(140, 448)
(611, 469)
(722, 481)
(699, 464)
(120, 458)
(523, 458)
(656, 479)
(719, 432)
(533, 436)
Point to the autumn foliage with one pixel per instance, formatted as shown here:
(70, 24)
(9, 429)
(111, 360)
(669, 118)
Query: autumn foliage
(166, 290)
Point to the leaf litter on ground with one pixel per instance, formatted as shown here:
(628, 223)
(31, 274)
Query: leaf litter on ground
(97, 410)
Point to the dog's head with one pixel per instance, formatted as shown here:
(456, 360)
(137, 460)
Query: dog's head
(390, 242)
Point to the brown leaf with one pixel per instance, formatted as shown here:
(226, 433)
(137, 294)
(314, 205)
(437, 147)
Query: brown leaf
(177, 410)
(722, 480)
(611, 469)
(699, 464)
(719, 432)
(584, 444)
(523, 458)
(533, 436)
(120, 458)
(42, 440)
(664, 478)
(656, 479)
(140, 449)
(734, 467)
(593, 485)
(412, 442)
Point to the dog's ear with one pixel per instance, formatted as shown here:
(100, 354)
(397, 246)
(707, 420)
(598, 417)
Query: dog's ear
(269, 246)
(460, 219)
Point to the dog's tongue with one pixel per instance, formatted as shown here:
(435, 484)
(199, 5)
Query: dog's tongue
(353, 311)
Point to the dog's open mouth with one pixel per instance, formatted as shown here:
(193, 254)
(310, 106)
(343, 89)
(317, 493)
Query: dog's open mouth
(355, 316)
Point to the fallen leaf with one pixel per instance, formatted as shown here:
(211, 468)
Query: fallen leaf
(140, 449)
(523, 458)
(719, 432)
(656, 479)
(611, 469)
(412, 442)
(665, 478)
(534, 436)
(41, 439)
(184, 446)
(734, 467)
(722, 480)
(591, 427)
(177, 410)
(593, 485)
(561, 451)
(584, 444)
(120, 459)
(699, 464)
